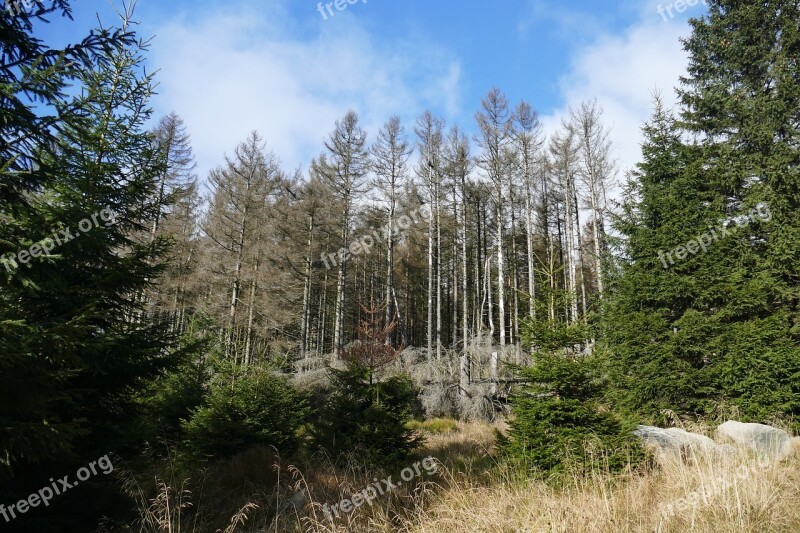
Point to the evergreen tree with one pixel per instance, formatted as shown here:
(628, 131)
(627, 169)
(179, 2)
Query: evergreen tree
(73, 353)
(560, 423)
(706, 313)
(31, 72)
(654, 367)
(741, 97)
(36, 108)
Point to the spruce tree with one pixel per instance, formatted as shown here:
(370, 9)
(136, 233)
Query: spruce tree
(654, 368)
(75, 351)
(705, 313)
(741, 98)
(35, 108)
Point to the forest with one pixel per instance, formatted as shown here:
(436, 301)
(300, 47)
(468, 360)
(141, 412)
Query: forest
(492, 307)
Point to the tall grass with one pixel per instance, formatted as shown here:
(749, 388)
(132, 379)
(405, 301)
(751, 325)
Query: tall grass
(475, 492)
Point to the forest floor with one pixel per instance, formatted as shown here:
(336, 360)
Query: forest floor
(472, 491)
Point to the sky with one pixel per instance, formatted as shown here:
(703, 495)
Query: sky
(288, 68)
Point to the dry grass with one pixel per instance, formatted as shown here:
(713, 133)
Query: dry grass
(473, 492)
(472, 498)
(727, 498)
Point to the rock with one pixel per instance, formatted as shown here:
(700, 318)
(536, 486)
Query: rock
(767, 441)
(675, 443)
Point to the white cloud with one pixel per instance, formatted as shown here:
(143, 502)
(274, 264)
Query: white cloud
(228, 73)
(230, 70)
(623, 71)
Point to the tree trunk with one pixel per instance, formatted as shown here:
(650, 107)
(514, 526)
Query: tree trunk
(247, 357)
(430, 267)
(438, 273)
(338, 313)
(304, 325)
(501, 280)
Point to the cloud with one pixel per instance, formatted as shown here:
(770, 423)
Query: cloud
(623, 70)
(228, 72)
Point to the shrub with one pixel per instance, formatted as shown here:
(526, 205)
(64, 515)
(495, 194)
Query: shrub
(256, 408)
(558, 415)
(172, 398)
(367, 418)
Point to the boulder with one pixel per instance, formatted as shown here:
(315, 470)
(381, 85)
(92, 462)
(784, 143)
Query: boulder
(768, 442)
(675, 443)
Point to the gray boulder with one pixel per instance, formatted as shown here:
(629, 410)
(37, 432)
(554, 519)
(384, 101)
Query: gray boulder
(768, 442)
(675, 443)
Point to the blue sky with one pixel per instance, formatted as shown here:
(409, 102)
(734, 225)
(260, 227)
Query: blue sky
(279, 67)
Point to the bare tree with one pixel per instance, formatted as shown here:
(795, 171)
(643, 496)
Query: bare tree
(238, 200)
(564, 153)
(460, 164)
(298, 223)
(596, 169)
(344, 168)
(176, 216)
(429, 137)
(390, 154)
(173, 144)
(529, 139)
(495, 134)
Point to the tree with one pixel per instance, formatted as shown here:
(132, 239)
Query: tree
(236, 224)
(390, 154)
(177, 219)
(344, 168)
(714, 238)
(528, 141)
(261, 410)
(595, 171)
(741, 95)
(429, 138)
(174, 146)
(564, 154)
(32, 72)
(459, 161)
(72, 358)
(559, 414)
(652, 371)
(367, 415)
(301, 221)
(495, 135)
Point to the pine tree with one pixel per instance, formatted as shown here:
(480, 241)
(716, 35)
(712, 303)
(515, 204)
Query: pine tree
(343, 169)
(494, 123)
(31, 72)
(429, 144)
(177, 194)
(63, 314)
(35, 106)
(390, 154)
(236, 224)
